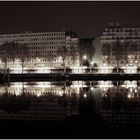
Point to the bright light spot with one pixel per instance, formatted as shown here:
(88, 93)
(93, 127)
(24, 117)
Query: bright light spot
(38, 59)
(16, 87)
(85, 95)
(129, 84)
(92, 88)
(60, 57)
(104, 68)
(129, 96)
(92, 63)
(78, 69)
(38, 94)
(131, 69)
(78, 90)
(131, 89)
(78, 84)
(104, 85)
(60, 93)
(105, 95)
(104, 89)
(44, 70)
(84, 57)
(44, 84)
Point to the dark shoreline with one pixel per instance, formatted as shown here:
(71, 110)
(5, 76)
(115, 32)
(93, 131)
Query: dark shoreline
(68, 77)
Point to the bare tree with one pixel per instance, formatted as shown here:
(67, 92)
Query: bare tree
(4, 53)
(118, 51)
(8, 52)
(63, 52)
(24, 51)
(73, 52)
(11, 51)
(106, 49)
(121, 50)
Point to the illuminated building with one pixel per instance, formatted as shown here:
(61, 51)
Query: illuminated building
(120, 47)
(43, 50)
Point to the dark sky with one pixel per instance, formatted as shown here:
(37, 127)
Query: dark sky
(86, 18)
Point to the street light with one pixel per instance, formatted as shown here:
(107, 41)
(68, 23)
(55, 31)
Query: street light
(91, 64)
(84, 57)
(85, 95)
(129, 56)
(136, 62)
(104, 67)
(60, 58)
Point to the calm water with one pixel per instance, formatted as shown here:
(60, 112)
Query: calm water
(102, 104)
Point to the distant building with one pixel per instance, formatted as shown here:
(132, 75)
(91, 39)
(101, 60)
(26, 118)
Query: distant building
(43, 49)
(121, 46)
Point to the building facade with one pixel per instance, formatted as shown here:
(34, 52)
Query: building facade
(42, 50)
(121, 47)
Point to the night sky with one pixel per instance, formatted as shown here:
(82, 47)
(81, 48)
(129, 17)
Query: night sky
(88, 19)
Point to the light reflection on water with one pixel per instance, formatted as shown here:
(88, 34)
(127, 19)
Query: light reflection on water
(68, 98)
(64, 87)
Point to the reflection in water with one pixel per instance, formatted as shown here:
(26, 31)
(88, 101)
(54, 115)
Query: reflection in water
(117, 103)
(121, 105)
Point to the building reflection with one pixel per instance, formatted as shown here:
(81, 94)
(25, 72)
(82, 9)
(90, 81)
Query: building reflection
(39, 101)
(115, 103)
(121, 105)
